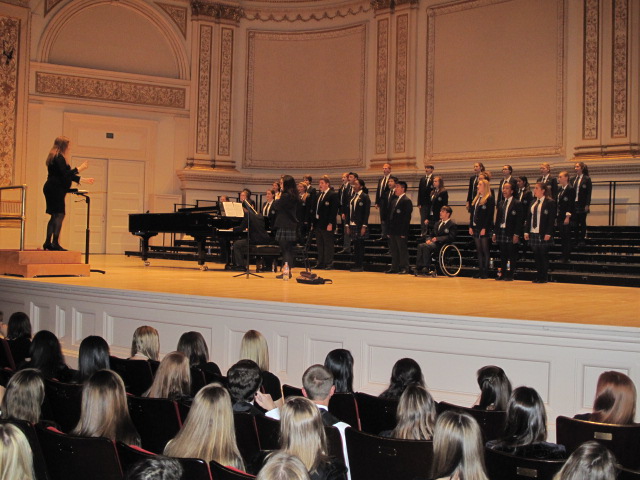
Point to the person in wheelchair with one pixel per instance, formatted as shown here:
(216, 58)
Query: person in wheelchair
(444, 232)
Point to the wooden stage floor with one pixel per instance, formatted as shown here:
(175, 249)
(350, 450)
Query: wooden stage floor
(572, 303)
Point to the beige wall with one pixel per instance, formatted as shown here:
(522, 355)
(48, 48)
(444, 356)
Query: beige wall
(240, 93)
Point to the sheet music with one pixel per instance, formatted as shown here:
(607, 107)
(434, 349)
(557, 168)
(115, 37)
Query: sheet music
(232, 209)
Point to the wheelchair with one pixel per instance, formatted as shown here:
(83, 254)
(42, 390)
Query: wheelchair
(449, 261)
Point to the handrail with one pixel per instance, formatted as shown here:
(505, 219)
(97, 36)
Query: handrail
(23, 203)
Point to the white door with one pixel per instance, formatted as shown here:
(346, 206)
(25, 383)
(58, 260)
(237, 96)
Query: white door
(125, 195)
(77, 207)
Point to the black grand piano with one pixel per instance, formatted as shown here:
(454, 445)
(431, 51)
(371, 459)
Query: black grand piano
(200, 223)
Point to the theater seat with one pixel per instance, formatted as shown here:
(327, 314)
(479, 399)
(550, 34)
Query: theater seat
(345, 408)
(137, 375)
(129, 455)
(6, 358)
(246, 436)
(290, 391)
(39, 463)
(156, 419)
(622, 440)
(78, 458)
(627, 474)
(64, 401)
(491, 422)
(268, 432)
(220, 472)
(503, 466)
(376, 414)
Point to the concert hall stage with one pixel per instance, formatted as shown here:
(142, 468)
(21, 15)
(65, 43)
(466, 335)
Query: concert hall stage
(555, 337)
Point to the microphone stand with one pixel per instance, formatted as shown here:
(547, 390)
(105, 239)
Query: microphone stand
(247, 271)
(87, 236)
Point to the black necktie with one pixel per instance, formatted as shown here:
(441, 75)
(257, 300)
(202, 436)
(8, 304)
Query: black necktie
(535, 214)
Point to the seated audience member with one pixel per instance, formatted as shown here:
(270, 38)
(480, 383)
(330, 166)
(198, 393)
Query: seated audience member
(340, 364)
(416, 415)
(526, 428)
(590, 461)
(457, 448)
(173, 378)
(194, 347)
(19, 336)
(243, 382)
(208, 433)
(46, 356)
(495, 389)
(405, 371)
(282, 466)
(156, 468)
(145, 344)
(302, 434)
(16, 459)
(615, 400)
(105, 412)
(93, 355)
(254, 347)
(24, 396)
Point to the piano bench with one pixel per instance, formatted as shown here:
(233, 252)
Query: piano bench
(264, 250)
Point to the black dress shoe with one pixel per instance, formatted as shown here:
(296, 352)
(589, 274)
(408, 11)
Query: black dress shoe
(404, 271)
(508, 279)
(356, 269)
(57, 247)
(328, 267)
(476, 275)
(391, 271)
(46, 246)
(500, 277)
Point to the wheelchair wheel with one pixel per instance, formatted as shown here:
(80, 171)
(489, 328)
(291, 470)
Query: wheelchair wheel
(450, 260)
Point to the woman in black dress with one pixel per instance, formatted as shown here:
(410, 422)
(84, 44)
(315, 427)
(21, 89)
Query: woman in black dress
(56, 187)
(286, 223)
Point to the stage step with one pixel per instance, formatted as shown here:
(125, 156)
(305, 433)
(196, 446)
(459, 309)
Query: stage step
(40, 263)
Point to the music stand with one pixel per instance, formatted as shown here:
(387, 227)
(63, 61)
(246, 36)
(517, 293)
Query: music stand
(87, 236)
(247, 272)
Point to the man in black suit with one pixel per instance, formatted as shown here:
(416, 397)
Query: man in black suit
(358, 222)
(346, 240)
(566, 210)
(324, 223)
(399, 219)
(383, 190)
(509, 227)
(254, 223)
(311, 190)
(507, 177)
(267, 209)
(444, 232)
(546, 178)
(424, 197)
(473, 183)
(385, 203)
(583, 187)
(539, 228)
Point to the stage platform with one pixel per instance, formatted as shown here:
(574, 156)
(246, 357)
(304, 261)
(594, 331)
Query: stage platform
(556, 338)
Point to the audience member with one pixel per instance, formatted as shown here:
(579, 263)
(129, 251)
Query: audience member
(404, 372)
(193, 345)
(173, 378)
(105, 412)
(615, 400)
(243, 382)
(416, 415)
(254, 347)
(340, 364)
(19, 336)
(145, 344)
(16, 459)
(24, 396)
(282, 466)
(46, 356)
(93, 355)
(208, 433)
(156, 468)
(495, 389)
(590, 461)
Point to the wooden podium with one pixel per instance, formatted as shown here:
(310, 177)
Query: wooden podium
(37, 263)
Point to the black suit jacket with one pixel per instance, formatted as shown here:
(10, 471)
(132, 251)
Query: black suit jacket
(566, 203)
(553, 183)
(344, 195)
(473, 188)
(547, 219)
(269, 214)
(514, 188)
(514, 224)
(484, 216)
(361, 211)
(399, 219)
(380, 191)
(445, 234)
(384, 204)
(257, 233)
(584, 197)
(436, 202)
(286, 208)
(424, 191)
(326, 210)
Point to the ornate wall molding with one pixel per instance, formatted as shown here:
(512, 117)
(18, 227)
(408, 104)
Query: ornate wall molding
(591, 60)
(204, 89)
(390, 4)
(289, 15)
(10, 33)
(619, 73)
(217, 11)
(177, 14)
(135, 93)
(402, 47)
(382, 80)
(224, 108)
(50, 5)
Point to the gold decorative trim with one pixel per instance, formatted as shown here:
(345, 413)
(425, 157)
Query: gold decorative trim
(552, 150)
(177, 14)
(619, 68)
(402, 47)
(217, 11)
(591, 68)
(10, 33)
(390, 4)
(204, 89)
(224, 112)
(382, 79)
(50, 5)
(279, 15)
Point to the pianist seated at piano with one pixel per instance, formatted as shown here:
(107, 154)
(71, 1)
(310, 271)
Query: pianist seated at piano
(253, 224)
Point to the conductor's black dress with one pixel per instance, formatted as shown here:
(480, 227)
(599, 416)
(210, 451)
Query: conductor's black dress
(58, 183)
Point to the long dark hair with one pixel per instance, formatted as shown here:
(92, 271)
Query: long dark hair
(92, 356)
(405, 371)
(19, 326)
(289, 186)
(46, 354)
(192, 344)
(583, 167)
(340, 364)
(495, 388)
(526, 419)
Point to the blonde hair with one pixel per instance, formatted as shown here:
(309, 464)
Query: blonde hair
(416, 414)
(458, 450)
(16, 458)
(208, 433)
(487, 192)
(173, 378)
(146, 341)
(615, 400)
(302, 432)
(282, 466)
(60, 147)
(254, 347)
(24, 396)
(105, 412)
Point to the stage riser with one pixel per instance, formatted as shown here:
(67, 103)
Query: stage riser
(562, 361)
(38, 263)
